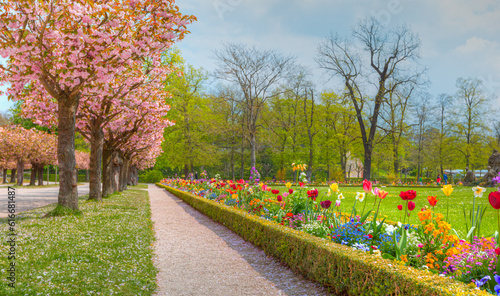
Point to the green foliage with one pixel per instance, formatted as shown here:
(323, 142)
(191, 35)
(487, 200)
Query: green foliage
(341, 269)
(106, 249)
(152, 176)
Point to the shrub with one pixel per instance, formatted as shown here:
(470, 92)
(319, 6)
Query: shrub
(153, 176)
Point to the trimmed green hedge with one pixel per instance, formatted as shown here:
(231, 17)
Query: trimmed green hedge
(341, 269)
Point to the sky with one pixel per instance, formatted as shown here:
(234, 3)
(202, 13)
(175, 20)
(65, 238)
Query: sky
(460, 38)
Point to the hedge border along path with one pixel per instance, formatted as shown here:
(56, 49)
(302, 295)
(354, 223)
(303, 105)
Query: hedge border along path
(197, 256)
(339, 268)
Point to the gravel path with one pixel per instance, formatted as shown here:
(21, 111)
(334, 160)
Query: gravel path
(197, 256)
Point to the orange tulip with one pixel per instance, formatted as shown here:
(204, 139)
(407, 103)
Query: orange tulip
(432, 200)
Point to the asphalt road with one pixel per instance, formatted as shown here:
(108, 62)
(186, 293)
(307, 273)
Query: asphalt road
(27, 199)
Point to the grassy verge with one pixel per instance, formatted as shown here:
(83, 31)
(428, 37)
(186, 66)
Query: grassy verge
(105, 251)
(139, 186)
(462, 197)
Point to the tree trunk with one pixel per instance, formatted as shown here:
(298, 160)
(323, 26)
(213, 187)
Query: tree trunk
(186, 171)
(395, 155)
(12, 175)
(40, 175)
(135, 175)
(34, 169)
(20, 173)
(367, 165)
(95, 170)
(68, 190)
(124, 173)
(132, 178)
(242, 158)
(116, 165)
(253, 147)
(106, 172)
(4, 176)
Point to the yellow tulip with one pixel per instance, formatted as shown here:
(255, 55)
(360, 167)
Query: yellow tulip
(447, 189)
(334, 187)
(288, 185)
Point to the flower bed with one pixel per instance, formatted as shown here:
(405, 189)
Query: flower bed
(341, 268)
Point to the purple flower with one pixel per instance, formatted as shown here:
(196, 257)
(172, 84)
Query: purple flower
(482, 281)
(496, 179)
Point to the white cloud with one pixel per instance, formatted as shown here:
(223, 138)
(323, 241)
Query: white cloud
(476, 45)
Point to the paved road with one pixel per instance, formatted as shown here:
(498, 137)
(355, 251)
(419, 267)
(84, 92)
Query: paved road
(27, 199)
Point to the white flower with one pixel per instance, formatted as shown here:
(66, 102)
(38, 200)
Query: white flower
(360, 196)
(340, 196)
(478, 191)
(328, 193)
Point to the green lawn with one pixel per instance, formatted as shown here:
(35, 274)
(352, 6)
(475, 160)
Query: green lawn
(461, 197)
(139, 186)
(105, 251)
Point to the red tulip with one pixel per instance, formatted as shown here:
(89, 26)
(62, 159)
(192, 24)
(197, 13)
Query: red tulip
(497, 251)
(290, 191)
(313, 193)
(275, 191)
(494, 199)
(280, 199)
(411, 205)
(408, 195)
(367, 186)
(411, 194)
(400, 207)
(326, 204)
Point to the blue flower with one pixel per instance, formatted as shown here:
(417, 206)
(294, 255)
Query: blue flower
(497, 287)
(483, 281)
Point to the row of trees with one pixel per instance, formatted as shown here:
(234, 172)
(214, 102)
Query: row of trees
(270, 114)
(22, 148)
(97, 68)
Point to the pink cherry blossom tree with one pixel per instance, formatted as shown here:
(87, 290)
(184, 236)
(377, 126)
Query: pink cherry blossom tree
(44, 152)
(68, 47)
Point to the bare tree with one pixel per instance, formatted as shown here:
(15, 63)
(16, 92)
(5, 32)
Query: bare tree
(445, 103)
(471, 113)
(391, 56)
(422, 111)
(394, 119)
(256, 72)
(496, 131)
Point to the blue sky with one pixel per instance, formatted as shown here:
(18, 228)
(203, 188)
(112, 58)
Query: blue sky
(460, 38)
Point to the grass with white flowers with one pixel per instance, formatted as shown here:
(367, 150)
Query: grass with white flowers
(105, 251)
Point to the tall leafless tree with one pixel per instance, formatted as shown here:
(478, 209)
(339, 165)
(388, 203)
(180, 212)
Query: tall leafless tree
(391, 55)
(394, 119)
(257, 72)
(444, 104)
(471, 113)
(422, 112)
